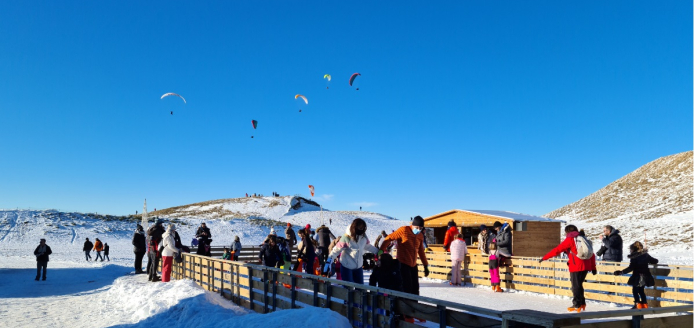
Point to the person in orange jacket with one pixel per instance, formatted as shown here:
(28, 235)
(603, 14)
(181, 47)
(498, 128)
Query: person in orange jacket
(98, 247)
(451, 234)
(578, 267)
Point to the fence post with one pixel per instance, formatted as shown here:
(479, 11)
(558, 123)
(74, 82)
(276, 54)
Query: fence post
(274, 291)
(221, 281)
(293, 291)
(374, 312)
(393, 323)
(636, 321)
(328, 295)
(265, 290)
(362, 315)
(250, 285)
(238, 285)
(442, 316)
(350, 305)
(209, 274)
(315, 292)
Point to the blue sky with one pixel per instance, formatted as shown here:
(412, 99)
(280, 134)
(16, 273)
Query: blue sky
(518, 106)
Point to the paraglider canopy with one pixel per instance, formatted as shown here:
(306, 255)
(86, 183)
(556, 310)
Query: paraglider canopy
(310, 187)
(174, 94)
(255, 124)
(302, 97)
(354, 76)
(327, 76)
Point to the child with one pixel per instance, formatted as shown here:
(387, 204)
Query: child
(106, 252)
(458, 253)
(386, 274)
(227, 254)
(494, 268)
(639, 259)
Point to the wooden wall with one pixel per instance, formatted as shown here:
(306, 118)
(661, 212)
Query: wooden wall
(540, 238)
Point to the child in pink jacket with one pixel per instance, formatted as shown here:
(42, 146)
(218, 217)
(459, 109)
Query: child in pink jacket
(494, 268)
(458, 252)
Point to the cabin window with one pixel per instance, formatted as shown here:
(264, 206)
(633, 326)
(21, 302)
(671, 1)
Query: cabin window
(520, 226)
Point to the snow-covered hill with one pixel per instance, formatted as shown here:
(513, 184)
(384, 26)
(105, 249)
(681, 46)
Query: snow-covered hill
(653, 203)
(249, 218)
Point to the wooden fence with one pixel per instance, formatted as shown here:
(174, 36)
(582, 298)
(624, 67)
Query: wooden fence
(264, 289)
(673, 283)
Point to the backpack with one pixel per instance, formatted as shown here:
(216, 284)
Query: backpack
(583, 248)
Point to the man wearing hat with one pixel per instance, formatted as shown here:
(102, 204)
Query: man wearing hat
(154, 234)
(139, 248)
(41, 253)
(483, 240)
(410, 241)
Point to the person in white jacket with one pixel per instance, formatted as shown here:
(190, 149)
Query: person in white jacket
(458, 253)
(351, 248)
(168, 253)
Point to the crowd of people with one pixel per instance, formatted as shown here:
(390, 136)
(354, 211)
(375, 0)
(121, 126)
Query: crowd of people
(98, 247)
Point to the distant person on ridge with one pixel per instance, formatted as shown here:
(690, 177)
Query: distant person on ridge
(451, 234)
(87, 248)
(576, 247)
(139, 247)
(611, 249)
(98, 247)
(41, 252)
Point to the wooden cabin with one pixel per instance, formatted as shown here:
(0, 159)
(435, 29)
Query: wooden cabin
(533, 236)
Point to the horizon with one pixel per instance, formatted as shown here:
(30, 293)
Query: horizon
(515, 107)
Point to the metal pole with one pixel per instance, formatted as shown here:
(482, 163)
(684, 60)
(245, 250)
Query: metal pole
(442, 316)
(265, 291)
(293, 291)
(274, 291)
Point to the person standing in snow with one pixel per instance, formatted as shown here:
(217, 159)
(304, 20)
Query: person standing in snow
(41, 252)
(451, 234)
(611, 249)
(168, 253)
(98, 247)
(639, 259)
(270, 253)
(504, 241)
(106, 252)
(87, 248)
(290, 235)
(458, 253)
(351, 248)
(236, 248)
(154, 235)
(494, 269)
(482, 240)
(139, 248)
(306, 254)
(578, 268)
(410, 244)
(203, 233)
(325, 237)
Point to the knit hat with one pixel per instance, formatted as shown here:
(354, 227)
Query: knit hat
(172, 227)
(497, 224)
(483, 227)
(289, 224)
(236, 238)
(418, 221)
(308, 227)
(451, 223)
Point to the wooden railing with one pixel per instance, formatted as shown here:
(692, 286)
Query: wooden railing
(673, 284)
(264, 289)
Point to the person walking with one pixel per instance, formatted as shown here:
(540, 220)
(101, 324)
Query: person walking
(236, 248)
(581, 260)
(325, 237)
(139, 248)
(410, 245)
(167, 254)
(458, 253)
(87, 248)
(106, 252)
(351, 248)
(451, 234)
(41, 252)
(154, 234)
(290, 235)
(639, 259)
(611, 249)
(98, 247)
(483, 240)
(494, 269)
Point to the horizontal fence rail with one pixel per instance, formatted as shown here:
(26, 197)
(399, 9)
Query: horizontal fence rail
(265, 289)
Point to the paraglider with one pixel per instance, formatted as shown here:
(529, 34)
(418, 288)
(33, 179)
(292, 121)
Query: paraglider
(255, 125)
(310, 187)
(328, 77)
(173, 94)
(351, 78)
(302, 97)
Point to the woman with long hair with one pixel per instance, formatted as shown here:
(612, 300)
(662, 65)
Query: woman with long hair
(351, 248)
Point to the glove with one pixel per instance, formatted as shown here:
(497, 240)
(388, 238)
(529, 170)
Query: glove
(594, 272)
(618, 273)
(540, 261)
(426, 270)
(326, 267)
(379, 253)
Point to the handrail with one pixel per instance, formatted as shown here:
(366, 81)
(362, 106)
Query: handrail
(630, 312)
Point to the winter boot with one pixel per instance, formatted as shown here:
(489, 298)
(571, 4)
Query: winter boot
(644, 305)
(581, 308)
(637, 305)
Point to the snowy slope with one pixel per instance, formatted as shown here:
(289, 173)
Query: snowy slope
(655, 204)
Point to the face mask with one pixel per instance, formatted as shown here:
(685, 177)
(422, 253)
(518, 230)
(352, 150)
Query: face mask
(415, 231)
(360, 232)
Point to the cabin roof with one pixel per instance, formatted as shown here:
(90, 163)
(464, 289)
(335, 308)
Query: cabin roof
(501, 214)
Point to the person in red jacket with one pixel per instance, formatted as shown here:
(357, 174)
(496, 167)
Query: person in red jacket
(451, 233)
(578, 268)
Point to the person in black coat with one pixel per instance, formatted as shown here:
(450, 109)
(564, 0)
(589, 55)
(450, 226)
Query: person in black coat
(139, 248)
(154, 234)
(41, 252)
(203, 232)
(611, 249)
(325, 237)
(386, 273)
(106, 252)
(639, 259)
(270, 254)
(87, 249)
